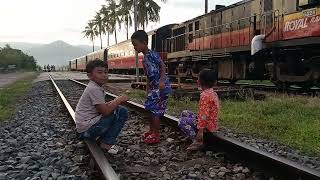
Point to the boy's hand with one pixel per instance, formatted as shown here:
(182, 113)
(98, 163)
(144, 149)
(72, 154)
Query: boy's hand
(123, 98)
(199, 137)
(161, 85)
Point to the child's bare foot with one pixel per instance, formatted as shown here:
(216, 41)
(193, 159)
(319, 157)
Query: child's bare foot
(195, 146)
(111, 148)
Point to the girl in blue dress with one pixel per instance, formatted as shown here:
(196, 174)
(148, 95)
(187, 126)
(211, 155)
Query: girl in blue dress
(158, 85)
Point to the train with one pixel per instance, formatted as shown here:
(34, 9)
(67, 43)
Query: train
(224, 38)
(121, 57)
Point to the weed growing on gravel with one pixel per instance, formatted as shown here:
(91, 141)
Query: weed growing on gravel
(11, 93)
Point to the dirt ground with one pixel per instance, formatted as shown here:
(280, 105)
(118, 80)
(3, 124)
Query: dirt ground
(6, 79)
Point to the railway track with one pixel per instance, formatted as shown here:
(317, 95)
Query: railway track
(97, 154)
(235, 150)
(233, 89)
(294, 90)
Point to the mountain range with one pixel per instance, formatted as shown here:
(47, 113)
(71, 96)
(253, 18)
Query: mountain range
(57, 53)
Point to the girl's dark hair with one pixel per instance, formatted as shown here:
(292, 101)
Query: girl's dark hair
(140, 35)
(95, 63)
(207, 78)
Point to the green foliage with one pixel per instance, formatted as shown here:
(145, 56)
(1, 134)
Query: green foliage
(10, 56)
(11, 93)
(118, 12)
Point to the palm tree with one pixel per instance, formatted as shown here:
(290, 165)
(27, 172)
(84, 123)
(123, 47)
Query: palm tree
(148, 10)
(106, 21)
(114, 17)
(98, 25)
(90, 33)
(125, 13)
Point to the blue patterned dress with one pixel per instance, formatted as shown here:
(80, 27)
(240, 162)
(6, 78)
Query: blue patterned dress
(157, 99)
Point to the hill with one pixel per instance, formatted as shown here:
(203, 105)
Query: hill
(57, 53)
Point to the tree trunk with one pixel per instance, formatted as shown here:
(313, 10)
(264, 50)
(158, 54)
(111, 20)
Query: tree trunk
(115, 34)
(108, 38)
(100, 39)
(146, 19)
(92, 45)
(127, 19)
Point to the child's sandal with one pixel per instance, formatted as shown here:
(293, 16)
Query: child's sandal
(153, 138)
(146, 134)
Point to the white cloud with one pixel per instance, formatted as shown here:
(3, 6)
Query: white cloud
(44, 21)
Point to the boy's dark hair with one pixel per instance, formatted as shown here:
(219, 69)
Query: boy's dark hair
(95, 63)
(207, 78)
(140, 35)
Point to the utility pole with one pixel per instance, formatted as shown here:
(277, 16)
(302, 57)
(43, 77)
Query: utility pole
(135, 29)
(206, 6)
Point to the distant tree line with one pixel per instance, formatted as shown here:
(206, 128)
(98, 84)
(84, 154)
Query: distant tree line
(15, 59)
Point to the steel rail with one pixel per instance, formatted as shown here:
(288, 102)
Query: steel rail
(96, 152)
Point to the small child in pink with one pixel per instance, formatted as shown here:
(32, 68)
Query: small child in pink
(206, 121)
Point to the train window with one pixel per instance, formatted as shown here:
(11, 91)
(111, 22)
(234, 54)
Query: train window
(197, 25)
(243, 23)
(305, 3)
(268, 5)
(190, 38)
(226, 28)
(190, 27)
(215, 30)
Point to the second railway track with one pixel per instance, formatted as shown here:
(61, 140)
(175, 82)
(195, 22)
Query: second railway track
(169, 160)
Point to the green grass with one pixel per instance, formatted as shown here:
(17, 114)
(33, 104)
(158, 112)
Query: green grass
(290, 120)
(11, 93)
(175, 107)
(137, 95)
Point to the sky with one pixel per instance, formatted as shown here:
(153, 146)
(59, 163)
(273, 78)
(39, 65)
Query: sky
(45, 21)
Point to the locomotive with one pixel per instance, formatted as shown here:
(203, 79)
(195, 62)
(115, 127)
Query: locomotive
(287, 32)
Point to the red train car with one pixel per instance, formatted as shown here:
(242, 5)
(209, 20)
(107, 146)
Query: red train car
(121, 57)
